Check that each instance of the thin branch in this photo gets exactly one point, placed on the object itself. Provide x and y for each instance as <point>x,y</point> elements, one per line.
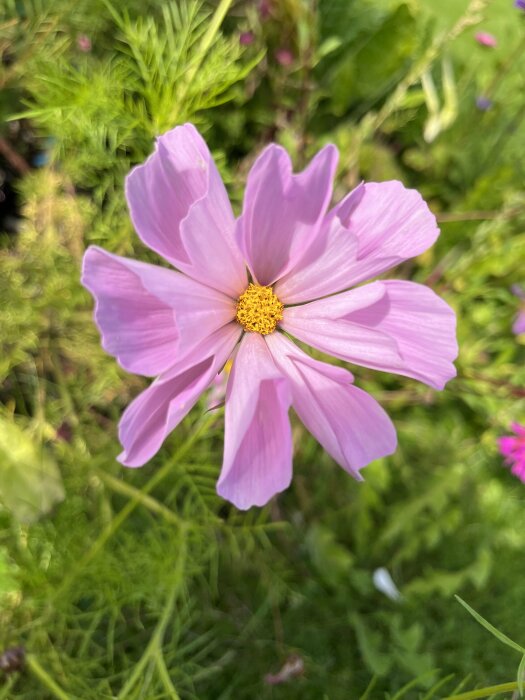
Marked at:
<point>15,160</point>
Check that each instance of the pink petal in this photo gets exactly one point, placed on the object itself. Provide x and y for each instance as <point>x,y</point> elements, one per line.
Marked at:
<point>390,224</point>
<point>257,440</point>
<point>518,429</point>
<point>406,329</point>
<point>519,470</point>
<point>350,425</point>
<point>150,418</point>
<point>180,209</point>
<point>149,316</point>
<point>282,212</point>
<point>508,445</point>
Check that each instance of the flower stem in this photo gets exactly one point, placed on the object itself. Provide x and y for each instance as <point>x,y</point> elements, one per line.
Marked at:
<point>130,506</point>
<point>207,41</point>
<point>485,692</point>
<point>46,680</point>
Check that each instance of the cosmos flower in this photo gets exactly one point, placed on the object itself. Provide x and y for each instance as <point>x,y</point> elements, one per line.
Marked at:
<point>284,268</point>
<point>486,39</point>
<point>512,447</point>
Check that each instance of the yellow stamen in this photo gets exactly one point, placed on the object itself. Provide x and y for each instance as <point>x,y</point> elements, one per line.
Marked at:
<point>259,310</point>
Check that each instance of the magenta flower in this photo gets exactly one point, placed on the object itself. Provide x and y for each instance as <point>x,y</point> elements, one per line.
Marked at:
<point>486,39</point>
<point>286,265</point>
<point>246,38</point>
<point>513,449</point>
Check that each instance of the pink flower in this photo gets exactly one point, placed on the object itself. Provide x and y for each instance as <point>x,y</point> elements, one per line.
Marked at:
<point>183,326</point>
<point>84,43</point>
<point>246,38</point>
<point>513,449</point>
<point>284,57</point>
<point>486,39</point>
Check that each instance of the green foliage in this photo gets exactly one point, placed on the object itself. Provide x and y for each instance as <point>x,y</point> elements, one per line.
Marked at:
<point>144,583</point>
<point>30,483</point>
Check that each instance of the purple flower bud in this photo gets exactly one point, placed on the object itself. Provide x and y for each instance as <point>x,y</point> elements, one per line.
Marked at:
<point>483,103</point>
<point>284,57</point>
<point>486,39</point>
<point>264,9</point>
<point>84,43</point>
<point>246,38</point>
<point>520,4</point>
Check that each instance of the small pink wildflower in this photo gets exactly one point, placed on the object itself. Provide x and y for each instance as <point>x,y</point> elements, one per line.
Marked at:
<point>265,9</point>
<point>284,57</point>
<point>84,43</point>
<point>246,38</point>
<point>486,39</point>
<point>512,447</point>
<point>286,264</point>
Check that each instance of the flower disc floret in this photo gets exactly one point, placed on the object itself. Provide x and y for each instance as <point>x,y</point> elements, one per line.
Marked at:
<point>259,310</point>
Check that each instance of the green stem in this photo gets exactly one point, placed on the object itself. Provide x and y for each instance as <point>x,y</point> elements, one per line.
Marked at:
<point>154,648</point>
<point>207,40</point>
<point>372,123</point>
<point>165,677</point>
<point>143,499</point>
<point>134,501</point>
<point>485,692</point>
<point>46,680</point>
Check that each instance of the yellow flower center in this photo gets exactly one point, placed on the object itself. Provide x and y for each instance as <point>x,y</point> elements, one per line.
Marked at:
<point>259,310</point>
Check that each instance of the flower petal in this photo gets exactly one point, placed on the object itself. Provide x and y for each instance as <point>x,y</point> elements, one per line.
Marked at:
<point>150,316</point>
<point>150,418</point>
<point>282,211</point>
<point>257,440</point>
<point>387,222</point>
<point>180,209</point>
<point>350,425</point>
<point>407,329</point>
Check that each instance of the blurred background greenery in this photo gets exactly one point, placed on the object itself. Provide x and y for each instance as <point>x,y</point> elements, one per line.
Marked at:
<point>143,583</point>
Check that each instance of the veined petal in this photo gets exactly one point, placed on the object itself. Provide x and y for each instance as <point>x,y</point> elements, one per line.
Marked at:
<point>180,209</point>
<point>150,418</point>
<point>150,316</point>
<point>386,221</point>
<point>392,325</point>
<point>350,425</point>
<point>282,212</point>
<point>257,440</point>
